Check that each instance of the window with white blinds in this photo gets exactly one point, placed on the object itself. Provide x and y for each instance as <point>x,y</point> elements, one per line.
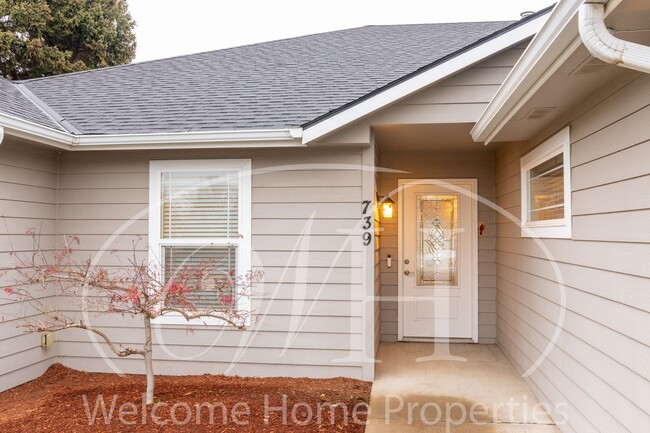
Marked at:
<point>222,260</point>
<point>200,205</point>
<point>200,212</point>
<point>546,189</point>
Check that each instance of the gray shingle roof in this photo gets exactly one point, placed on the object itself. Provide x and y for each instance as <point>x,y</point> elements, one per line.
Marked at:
<point>279,84</point>
<point>15,103</point>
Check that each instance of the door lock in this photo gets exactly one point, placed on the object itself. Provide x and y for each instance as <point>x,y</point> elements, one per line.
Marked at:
<point>406,262</point>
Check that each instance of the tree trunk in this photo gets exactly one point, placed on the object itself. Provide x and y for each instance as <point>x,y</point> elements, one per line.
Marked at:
<point>148,361</point>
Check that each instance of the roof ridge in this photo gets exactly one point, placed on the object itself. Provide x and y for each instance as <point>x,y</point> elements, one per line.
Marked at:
<point>46,109</point>
<point>441,23</point>
<point>53,77</point>
<point>50,77</point>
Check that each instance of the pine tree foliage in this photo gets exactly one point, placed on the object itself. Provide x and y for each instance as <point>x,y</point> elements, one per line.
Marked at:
<point>48,37</point>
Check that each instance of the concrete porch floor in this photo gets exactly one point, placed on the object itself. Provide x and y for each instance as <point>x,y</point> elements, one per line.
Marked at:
<point>411,395</point>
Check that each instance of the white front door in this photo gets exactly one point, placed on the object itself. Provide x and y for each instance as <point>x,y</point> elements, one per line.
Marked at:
<point>438,278</point>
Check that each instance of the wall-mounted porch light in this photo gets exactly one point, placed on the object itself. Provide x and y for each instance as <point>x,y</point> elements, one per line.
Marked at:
<point>387,207</point>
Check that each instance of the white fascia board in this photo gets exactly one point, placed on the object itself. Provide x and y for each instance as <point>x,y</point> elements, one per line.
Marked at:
<point>32,131</point>
<point>192,140</point>
<point>553,45</point>
<point>182,140</point>
<point>427,78</point>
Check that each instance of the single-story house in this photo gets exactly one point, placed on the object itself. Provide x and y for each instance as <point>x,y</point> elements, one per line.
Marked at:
<point>484,182</point>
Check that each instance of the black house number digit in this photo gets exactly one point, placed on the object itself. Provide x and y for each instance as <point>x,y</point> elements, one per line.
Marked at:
<point>366,205</point>
<point>367,236</point>
<point>368,223</point>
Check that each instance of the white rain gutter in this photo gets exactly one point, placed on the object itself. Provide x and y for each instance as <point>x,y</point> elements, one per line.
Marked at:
<point>603,45</point>
<point>242,139</point>
<point>10,125</point>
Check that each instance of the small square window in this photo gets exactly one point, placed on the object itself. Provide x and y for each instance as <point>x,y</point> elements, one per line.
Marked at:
<point>546,189</point>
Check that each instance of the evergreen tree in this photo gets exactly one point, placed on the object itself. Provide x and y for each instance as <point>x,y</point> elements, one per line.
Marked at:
<point>48,37</point>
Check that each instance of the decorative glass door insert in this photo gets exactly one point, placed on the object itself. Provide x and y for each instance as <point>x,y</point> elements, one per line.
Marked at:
<point>437,240</point>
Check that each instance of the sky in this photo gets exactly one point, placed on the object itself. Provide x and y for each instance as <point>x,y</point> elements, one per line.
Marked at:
<point>167,28</point>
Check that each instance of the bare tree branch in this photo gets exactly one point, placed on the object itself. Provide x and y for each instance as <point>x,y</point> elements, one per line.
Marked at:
<point>192,291</point>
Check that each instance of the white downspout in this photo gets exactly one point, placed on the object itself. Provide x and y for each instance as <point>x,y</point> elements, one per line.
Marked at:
<point>605,46</point>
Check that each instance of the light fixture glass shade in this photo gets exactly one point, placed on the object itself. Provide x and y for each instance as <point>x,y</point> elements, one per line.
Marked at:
<point>387,207</point>
<point>387,210</point>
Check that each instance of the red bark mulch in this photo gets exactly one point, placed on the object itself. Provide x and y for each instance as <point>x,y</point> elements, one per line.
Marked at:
<point>54,403</point>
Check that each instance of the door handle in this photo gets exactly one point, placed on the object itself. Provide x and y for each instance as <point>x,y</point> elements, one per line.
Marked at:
<point>407,272</point>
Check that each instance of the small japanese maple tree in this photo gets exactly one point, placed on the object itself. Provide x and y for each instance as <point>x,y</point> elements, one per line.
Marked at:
<point>136,288</point>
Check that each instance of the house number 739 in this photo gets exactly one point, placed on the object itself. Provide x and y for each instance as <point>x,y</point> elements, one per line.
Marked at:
<point>367,222</point>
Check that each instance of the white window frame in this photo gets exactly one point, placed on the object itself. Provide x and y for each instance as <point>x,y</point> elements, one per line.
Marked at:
<point>560,143</point>
<point>243,243</point>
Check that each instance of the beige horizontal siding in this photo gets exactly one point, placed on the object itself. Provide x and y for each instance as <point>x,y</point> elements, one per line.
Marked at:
<point>199,366</point>
<point>461,98</point>
<point>27,200</point>
<point>309,305</point>
<point>600,364</point>
<point>271,323</point>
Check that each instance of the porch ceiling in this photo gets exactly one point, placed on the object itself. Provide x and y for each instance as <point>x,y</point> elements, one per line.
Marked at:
<point>449,137</point>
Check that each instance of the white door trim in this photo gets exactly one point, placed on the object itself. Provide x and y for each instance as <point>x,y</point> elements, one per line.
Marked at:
<point>451,184</point>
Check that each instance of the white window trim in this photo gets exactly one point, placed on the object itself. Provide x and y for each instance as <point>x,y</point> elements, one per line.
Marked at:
<point>558,228</point>
<point>244,250</point>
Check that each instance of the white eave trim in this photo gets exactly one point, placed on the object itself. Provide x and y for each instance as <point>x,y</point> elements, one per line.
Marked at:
<point>290,137</point>
<point>424,79</point>
<point>32,131</point>
<point>551,47</point>
<point>192,140</point>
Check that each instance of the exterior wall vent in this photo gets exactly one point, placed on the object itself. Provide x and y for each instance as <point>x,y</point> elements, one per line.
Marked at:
<point>538,113</point>
<point>590,66</point>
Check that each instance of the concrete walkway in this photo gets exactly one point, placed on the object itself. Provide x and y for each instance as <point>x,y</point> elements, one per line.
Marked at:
<point>483,394</point>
